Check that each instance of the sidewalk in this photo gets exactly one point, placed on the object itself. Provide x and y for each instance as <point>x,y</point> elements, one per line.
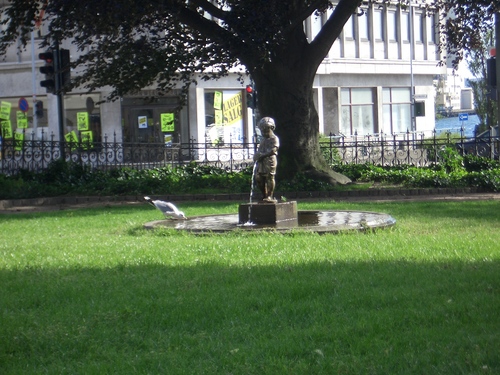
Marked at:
<point>370,195</point>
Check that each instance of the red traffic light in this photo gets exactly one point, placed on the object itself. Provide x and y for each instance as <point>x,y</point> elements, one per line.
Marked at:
<point>249,89</point>
<point>48,57</point>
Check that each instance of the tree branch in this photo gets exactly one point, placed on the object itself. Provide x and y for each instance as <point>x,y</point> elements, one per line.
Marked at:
<point>331,30</point>
<point>305,13</point>
<point>210,8</point>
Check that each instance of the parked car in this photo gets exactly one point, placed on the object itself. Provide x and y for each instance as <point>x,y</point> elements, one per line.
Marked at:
<point>486,144</point>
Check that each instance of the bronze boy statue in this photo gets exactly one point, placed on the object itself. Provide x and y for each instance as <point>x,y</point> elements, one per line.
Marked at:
<point>266,158</point>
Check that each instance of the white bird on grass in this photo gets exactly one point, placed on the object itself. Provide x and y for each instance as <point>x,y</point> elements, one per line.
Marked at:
<point>168,209</point>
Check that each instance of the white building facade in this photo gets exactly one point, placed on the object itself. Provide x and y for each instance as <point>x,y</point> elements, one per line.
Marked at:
<point>382,62</point>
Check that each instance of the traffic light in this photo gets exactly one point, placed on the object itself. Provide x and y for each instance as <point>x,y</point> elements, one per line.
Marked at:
<point>57,70</point>
<point>64,69</point>
<point>251,97</point>
<point>39,109</point>
<point>49,70</point>
<point>491,72</point>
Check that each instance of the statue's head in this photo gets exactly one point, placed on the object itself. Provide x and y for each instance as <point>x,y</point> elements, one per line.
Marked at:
<point>267,122</point>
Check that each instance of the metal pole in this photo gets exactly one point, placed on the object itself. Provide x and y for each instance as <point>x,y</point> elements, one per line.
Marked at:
<point>60,98</point>
<point>34,83</point>
<point>412,83</point>
<point>497,60</point>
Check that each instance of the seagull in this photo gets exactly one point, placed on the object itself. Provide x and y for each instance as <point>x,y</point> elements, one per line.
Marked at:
<point>168,209</point>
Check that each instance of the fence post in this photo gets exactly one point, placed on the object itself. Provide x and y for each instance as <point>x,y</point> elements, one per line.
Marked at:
<point>382,148</point>
<point>356,147</point>
<point>230,152</point>
<point>408,146</point>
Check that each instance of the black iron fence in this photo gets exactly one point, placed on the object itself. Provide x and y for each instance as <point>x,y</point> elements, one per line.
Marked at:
<point>28,153</point>
<point>410,148</point>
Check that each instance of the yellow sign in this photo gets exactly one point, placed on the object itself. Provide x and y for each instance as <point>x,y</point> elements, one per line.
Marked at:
<point>142,121</point>
<point>218,117</point>
<point>5,110</point>
<point>217,100</point>
<point>82,121</point>
<point>6,129</point>
<point>233,109</point>
<point>18,141</point>
<point>167,122</point>
<point>168,140</point>
<point>87,139</point>
<point>22,120</point>
<point>72,139</point>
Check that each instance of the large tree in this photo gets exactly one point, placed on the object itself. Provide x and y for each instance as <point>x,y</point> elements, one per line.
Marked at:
<point>477,61</point>
<point>130,44</point>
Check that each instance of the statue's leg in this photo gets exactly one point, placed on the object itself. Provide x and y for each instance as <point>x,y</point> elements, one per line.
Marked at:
<point>261,184</point>
<point>270,186</point>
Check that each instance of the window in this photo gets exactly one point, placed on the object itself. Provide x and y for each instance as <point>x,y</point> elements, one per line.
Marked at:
<point>378,25</point>
<point>357,111</point>
<point>405,26</point>
<point>431,28</point>
<point>15,120</point>
<point>349,28</point>
<point>392,30</point>
<point>363,27</point>
<point>316,24</point>
<point>417,26</point>
<point>396,110</point>
<point>224,116</point>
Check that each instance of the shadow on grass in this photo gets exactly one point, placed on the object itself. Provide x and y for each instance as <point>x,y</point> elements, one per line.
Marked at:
<point>344,317</point>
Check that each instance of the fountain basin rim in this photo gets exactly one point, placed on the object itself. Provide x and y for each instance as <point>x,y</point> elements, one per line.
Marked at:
<point>353,221</point>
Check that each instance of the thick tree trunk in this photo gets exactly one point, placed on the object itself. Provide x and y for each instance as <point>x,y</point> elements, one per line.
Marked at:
<point>285,93</point>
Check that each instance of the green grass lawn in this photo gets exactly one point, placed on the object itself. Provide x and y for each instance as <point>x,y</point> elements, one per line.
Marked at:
<point>90,292</point>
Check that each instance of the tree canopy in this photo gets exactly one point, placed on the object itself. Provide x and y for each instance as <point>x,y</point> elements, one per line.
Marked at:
<point>129,44</point>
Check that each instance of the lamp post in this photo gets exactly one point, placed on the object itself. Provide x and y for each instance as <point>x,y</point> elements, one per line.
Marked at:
<point>412,83</point>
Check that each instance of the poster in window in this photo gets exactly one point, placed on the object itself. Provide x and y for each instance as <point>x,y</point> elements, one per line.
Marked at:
<point>87,139</point>
<point>167,122</point>
<point>142,121</point>
<point>168,140</point>
<point>6,129</point>
<point>5,110</point>
<point>217,100</point>
<point>82,121</point>
<point>72,139</point>
<point>233,109</point>
<point>22,120</point>
<point>218,117</point>
<point>18,141</point>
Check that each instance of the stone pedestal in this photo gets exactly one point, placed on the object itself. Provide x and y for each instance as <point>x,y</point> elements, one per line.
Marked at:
<point>284,213</point>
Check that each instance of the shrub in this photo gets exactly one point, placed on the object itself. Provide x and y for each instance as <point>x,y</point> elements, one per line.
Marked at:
<point>63,178</point>
<point>473,163</point>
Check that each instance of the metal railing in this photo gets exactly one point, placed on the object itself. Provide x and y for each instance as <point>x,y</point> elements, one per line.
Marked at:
<point>28,153</point>
<point>410,148</point>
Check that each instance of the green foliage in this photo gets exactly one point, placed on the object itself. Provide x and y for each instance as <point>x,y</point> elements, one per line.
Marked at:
<point>452,170</point>
<point>302,182</point>
<point>473,163</point>
<point>450,160</point>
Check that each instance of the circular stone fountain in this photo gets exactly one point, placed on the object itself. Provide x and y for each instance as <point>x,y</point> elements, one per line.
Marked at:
<point>269,214</point>
<point>309,220</point>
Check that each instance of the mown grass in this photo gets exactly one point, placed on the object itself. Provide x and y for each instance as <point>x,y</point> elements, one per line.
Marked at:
<point>90,292</point>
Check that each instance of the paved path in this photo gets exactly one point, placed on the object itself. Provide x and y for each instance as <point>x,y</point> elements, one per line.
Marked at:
<point>379,195</point>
